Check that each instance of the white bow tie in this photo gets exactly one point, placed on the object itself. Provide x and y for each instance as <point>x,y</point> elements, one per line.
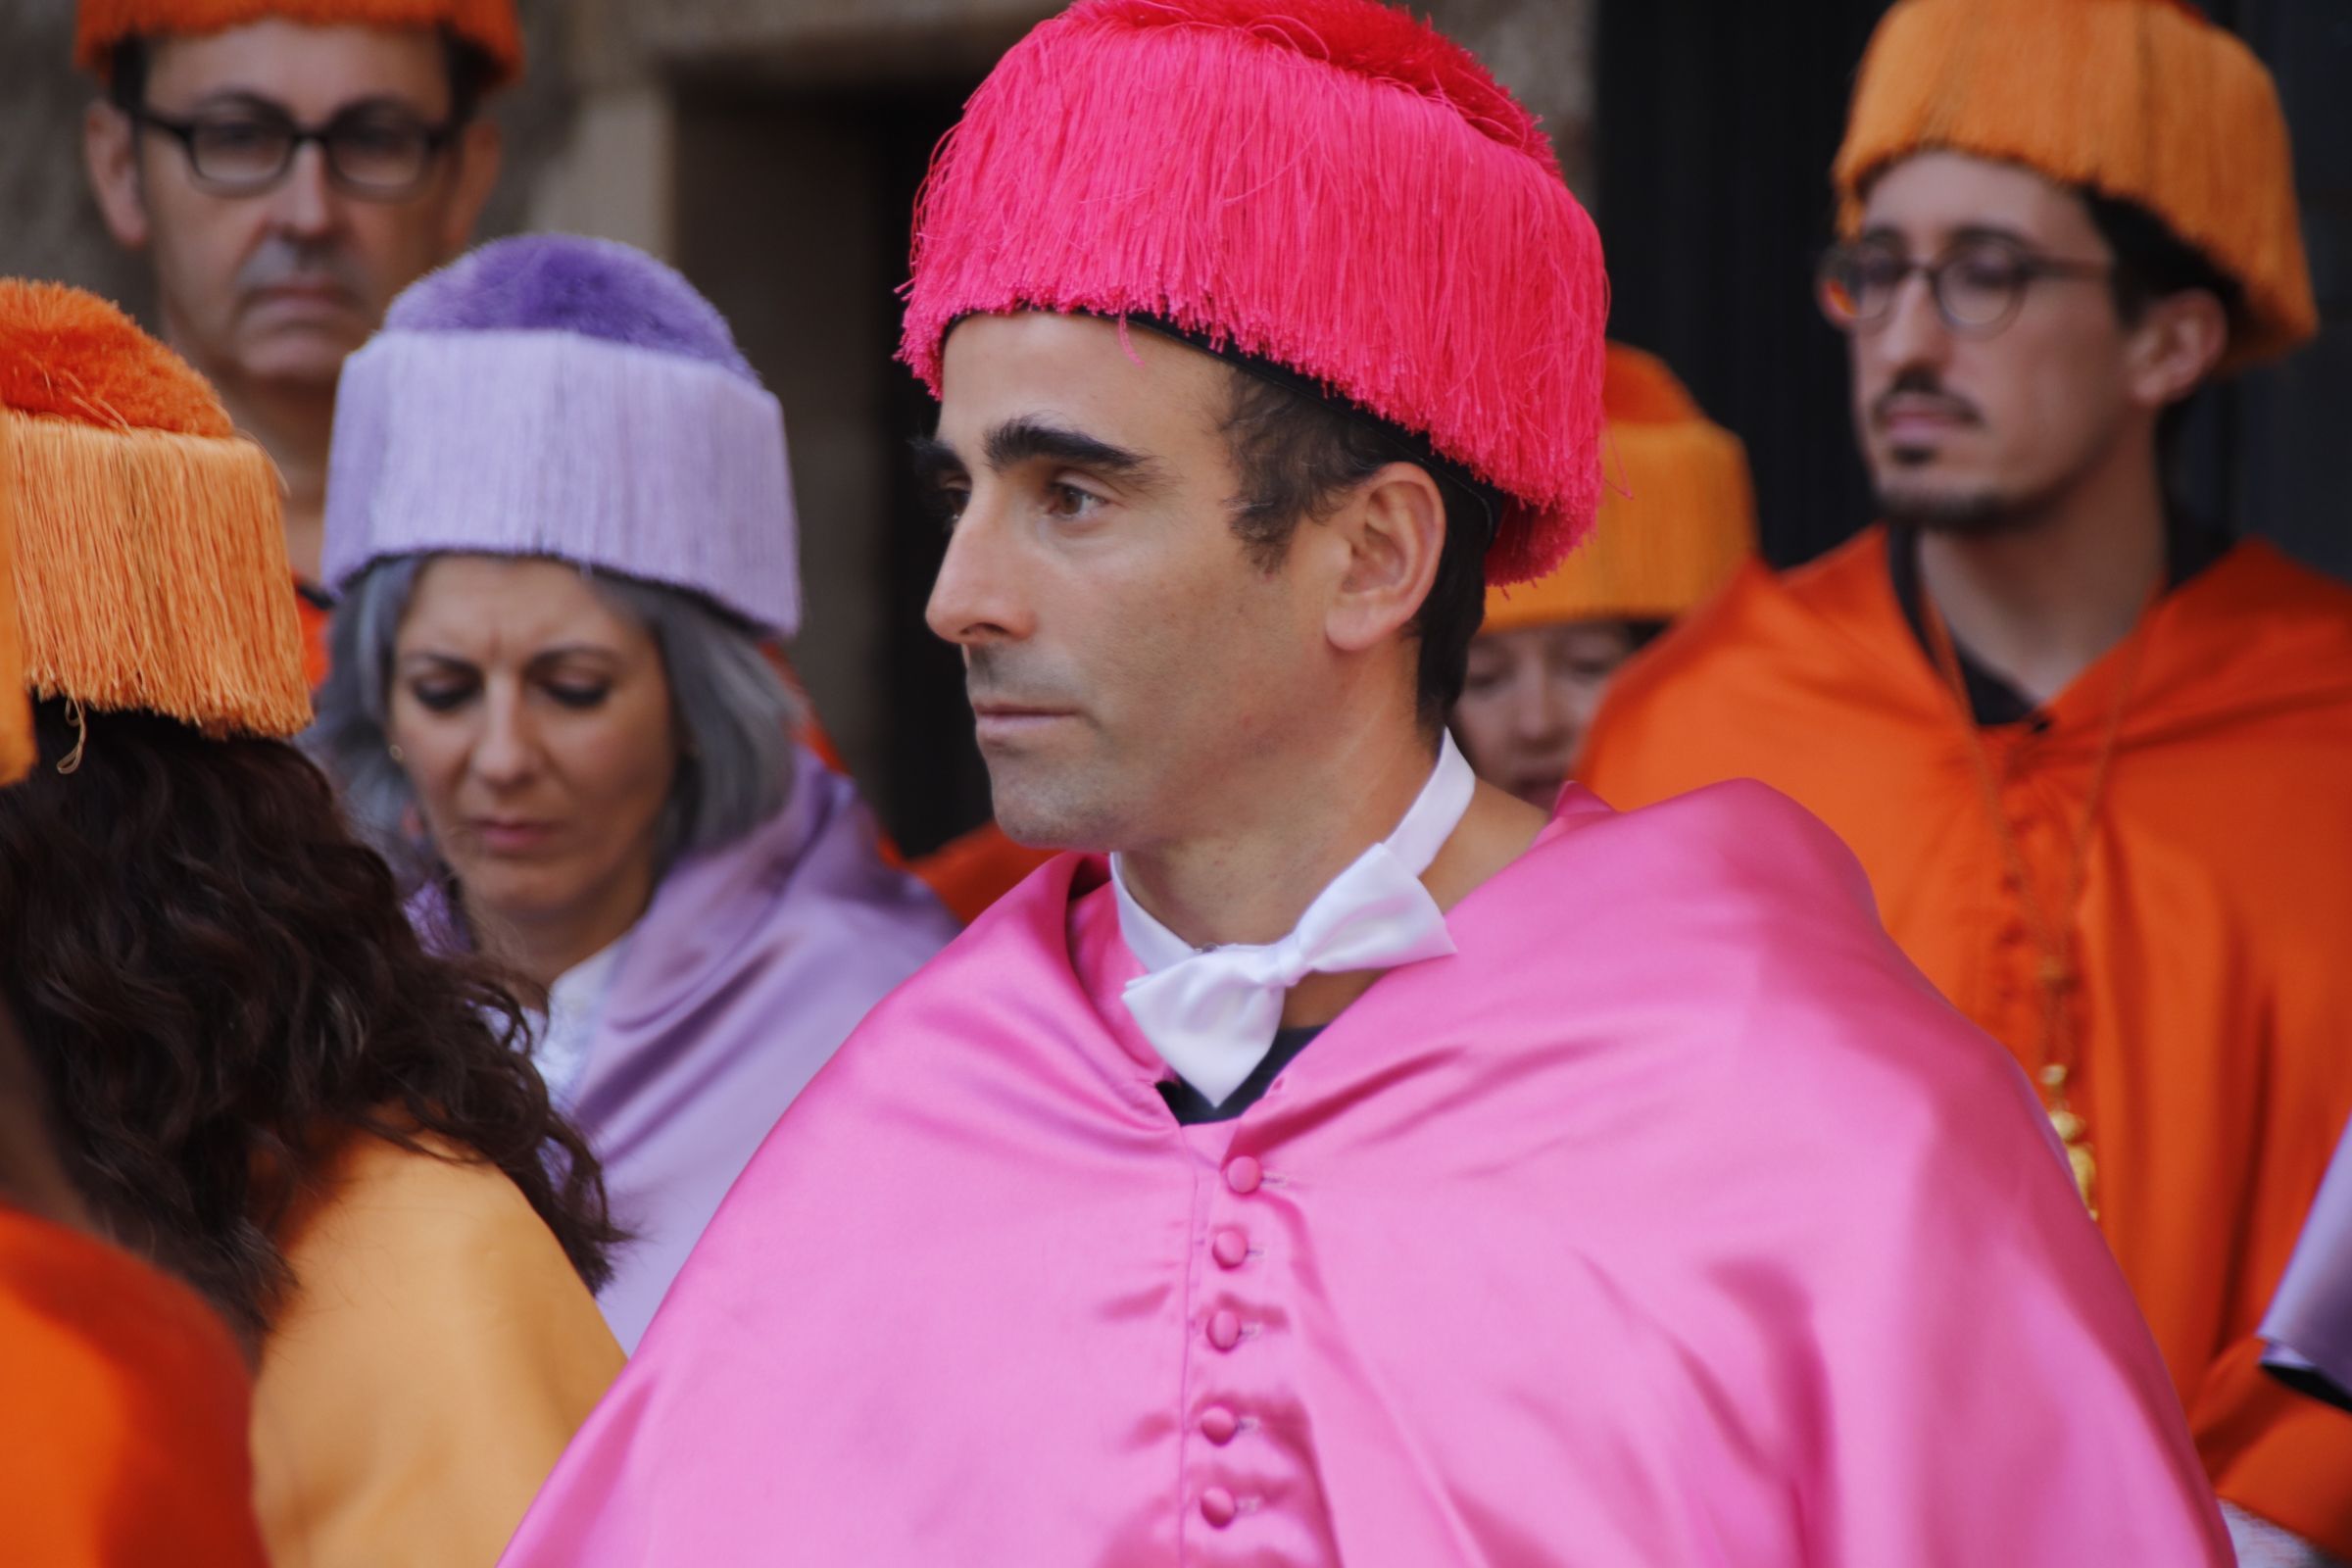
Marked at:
<point>1211,1012</point>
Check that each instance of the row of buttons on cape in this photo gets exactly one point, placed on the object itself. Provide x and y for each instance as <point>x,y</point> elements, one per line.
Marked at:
<point>1230,1246</point>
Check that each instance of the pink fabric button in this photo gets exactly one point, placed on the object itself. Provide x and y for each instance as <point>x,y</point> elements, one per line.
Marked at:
<point>1244,1174</point>
<point>1231,1247</point>
<point>1224,1331</point>
<point>1219,1425</point>
<point>1218,1507</point>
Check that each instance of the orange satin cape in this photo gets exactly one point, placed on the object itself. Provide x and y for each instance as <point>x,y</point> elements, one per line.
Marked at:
<point>123,1414</point>
<point>2212,934</point>
<point>315,619</point>
<point>974,872</point>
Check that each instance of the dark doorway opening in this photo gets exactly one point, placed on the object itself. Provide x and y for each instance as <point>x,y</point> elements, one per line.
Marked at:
<point>793,214</point>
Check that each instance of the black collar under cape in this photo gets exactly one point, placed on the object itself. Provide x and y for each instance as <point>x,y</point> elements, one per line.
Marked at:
<point>2189,548</point>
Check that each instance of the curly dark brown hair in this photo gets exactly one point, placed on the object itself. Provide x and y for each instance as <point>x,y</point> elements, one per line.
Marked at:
<point>219,985</point>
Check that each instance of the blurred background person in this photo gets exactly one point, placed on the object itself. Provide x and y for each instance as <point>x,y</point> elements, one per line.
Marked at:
<point>288,167</point>
<point>127,1403</point>
<point>1677,520</point>
<point>2092,751</point>
<point>561,523</point>
<point>259,1077</point>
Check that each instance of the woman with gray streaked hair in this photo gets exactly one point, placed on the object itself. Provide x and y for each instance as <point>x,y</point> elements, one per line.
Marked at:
<point>560,518</point>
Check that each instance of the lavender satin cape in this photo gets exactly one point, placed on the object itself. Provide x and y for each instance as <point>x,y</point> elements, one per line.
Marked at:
<point>752,966</point>
<point>2310,1323</point>
<point>1672,1220</point>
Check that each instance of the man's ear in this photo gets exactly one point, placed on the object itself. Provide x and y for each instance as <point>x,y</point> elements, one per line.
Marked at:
<point>476,158</point>
<point>1394,531</point>
<point>109,151</point>
<point>2174,347</point>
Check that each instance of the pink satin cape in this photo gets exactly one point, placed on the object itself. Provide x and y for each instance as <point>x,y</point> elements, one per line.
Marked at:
<point>1672,1220</point>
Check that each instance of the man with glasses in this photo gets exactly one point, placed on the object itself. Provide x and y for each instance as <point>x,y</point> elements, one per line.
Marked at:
<point>290,168</point>
<point>2095,756</point>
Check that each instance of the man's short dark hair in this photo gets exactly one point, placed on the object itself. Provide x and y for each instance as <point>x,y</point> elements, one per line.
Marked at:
<point>2153,262</point>
<point>1296,455</point>
<point>471,73</point>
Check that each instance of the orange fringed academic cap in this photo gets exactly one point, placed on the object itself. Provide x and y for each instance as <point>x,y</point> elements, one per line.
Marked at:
<point>2143,101</point>
<point>150,557</point>
<point>15,712</point>
<point>124,1421</point>
<point>489,26</point>
<point>1677,520</point>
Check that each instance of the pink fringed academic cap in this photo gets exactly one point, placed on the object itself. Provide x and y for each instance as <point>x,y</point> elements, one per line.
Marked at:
<point>557,396</point>
<point>1329,185</point>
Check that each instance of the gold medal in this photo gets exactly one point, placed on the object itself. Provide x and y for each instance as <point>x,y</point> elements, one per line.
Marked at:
<point>2086,1174</point>
<point>2075,1134</point>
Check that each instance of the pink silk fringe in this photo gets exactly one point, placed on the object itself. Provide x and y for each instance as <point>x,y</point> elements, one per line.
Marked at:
<point>1337,188</point>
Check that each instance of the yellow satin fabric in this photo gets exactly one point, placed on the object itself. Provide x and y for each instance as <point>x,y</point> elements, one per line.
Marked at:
<point>437,1355</point>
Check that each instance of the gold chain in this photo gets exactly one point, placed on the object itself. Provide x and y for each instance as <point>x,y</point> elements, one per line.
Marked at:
<point>2053,936</point>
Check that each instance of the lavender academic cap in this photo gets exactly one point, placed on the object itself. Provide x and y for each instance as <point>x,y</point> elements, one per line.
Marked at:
<point>551,395</point>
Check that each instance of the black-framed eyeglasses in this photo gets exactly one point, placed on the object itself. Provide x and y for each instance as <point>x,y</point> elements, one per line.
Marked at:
<point>245,150</point>
<point>1977,284</point>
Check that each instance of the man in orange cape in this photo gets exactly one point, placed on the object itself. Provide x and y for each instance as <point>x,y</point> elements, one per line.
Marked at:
<point>2092,755</point>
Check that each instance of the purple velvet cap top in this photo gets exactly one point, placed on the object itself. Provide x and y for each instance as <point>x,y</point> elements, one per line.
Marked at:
<point>597,288</point>
<point>553,395</point>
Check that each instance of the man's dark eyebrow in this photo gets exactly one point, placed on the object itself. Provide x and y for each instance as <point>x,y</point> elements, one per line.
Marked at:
<point>935,462</point>
<point>1027,440</point>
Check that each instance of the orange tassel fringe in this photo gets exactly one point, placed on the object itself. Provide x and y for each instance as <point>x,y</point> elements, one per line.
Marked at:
<point>15,712</point>
<point>151,573</point>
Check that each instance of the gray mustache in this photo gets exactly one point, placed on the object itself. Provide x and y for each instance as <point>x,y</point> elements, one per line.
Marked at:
<point>282,260</point>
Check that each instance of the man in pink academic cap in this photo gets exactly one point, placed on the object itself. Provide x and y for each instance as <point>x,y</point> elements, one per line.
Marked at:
<point>1356,1166</point>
